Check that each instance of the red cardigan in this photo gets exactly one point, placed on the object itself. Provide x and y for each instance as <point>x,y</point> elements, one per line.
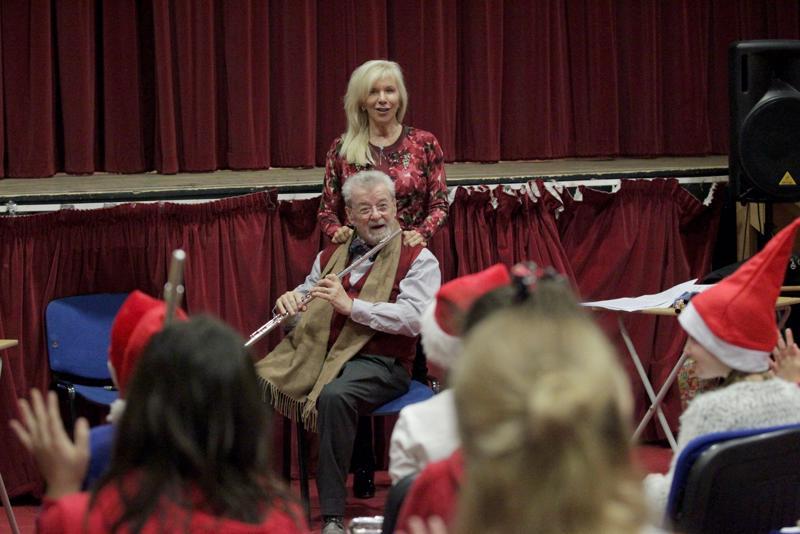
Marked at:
<point>434,492</point>
<point>68,514</point>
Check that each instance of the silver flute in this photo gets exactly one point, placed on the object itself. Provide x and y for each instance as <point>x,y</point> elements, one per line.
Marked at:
<point>278,318</point>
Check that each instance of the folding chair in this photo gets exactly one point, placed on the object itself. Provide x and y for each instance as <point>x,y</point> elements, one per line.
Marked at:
<point>739,481</point>
<point>78,335</point>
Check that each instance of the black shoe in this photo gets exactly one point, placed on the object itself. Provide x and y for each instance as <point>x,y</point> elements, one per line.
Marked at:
<point>363,484</point>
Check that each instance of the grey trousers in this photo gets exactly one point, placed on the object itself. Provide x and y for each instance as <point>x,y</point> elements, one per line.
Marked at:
<point>365,383</point>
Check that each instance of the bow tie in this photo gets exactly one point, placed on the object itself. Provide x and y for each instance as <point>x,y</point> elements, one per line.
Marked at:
<point>358,248</point>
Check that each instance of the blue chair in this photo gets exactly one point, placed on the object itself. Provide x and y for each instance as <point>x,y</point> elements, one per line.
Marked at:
<point>417,392</point>
<point>101,442</point>
<point>738,481</point>
<point>78,335</point>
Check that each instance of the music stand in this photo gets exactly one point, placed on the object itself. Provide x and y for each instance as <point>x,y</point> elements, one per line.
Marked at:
<point>659,304</point>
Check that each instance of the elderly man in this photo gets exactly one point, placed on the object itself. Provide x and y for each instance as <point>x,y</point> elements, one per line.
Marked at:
<point>353,347</point>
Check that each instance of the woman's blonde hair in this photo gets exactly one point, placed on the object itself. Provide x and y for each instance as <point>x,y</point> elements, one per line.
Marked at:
<point>355,142</point>
<point>543,409</point>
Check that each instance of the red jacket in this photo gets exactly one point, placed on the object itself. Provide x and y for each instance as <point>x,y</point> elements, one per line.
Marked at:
<point>68,514</point>
<point>434,492</point>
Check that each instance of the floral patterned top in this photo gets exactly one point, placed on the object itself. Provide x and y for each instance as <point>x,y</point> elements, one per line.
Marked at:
<point>414,162</point>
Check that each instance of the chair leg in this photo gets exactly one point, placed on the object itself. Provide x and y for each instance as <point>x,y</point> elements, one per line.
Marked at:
<point>12,521</point>
<point>302,459</point>
<point>287,450</point>
<point>72,414</point>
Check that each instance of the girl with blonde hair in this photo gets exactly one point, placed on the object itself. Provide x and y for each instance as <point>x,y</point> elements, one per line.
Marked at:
<point>543,410</point>
<point>376,138</point>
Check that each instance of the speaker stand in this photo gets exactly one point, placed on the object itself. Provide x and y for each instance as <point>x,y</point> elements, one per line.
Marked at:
<point>769,226</point>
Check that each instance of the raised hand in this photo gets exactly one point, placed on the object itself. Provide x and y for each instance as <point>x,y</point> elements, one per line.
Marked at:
<point>786,358</point>
<point>412,238</point>
<point>62,462</point>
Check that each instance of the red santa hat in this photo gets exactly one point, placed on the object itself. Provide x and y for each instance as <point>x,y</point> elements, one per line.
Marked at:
<point>139,317</point>
<point>735,319</point>
<point>441,321</point>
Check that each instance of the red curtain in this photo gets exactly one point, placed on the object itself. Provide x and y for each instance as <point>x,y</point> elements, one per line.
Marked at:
<point>130,87</point>
<point>243,252</point>
<point>230,271</point>
<point>647,237</point>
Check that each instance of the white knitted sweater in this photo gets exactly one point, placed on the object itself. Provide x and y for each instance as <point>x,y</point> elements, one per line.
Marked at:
<point>736,407</point>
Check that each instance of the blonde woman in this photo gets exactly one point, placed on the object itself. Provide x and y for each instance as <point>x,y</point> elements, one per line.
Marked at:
<point>543,409</point>
<point>376,138</point>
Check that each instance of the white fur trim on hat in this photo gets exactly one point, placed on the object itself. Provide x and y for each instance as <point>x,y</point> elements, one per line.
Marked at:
<point>440,347</point>
<point>739,358</point>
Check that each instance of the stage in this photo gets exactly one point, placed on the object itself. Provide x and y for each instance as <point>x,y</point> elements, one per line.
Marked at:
<point>44,194</point>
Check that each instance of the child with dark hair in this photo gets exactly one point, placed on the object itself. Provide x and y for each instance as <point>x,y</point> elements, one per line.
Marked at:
<point>137,320</point>
<point>192,450</point>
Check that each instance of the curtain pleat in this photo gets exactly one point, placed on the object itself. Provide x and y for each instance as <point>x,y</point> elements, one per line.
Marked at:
<point>641,240</point>
<point>131,87</point>
<point>349,32</point>
<point>75,48</point>
<point>430,62</point>
<point>28,87</point>
<point>641,67</point>
<point>480,81</point>
<point>536,110</point>
<point>2,106</point>
<point>243,252</point>
<point>244,101</point>
<point>126,135</point>
<point>293,69</point>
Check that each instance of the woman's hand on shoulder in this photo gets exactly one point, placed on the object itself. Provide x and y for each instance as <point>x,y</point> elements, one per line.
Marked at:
<point>342,235</point>
<point>412,238</point>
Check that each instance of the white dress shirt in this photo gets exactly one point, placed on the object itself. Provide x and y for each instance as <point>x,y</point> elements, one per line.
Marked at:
<point>417,290</point>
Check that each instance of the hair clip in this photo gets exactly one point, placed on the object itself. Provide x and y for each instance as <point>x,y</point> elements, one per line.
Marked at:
<point>525,275</point>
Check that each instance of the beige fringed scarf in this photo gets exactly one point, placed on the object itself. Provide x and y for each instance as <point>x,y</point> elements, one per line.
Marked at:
<point>294,374</point>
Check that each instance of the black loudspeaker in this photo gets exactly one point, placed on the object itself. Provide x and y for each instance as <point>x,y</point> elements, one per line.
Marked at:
<point>764,158</point>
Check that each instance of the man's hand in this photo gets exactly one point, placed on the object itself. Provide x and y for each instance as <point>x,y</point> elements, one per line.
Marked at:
<point>291,303</point>
<point>786,358</point>
<point>342,234</point>
<point>62,462</point>
<point>412,238</point>
<point>330,289</point>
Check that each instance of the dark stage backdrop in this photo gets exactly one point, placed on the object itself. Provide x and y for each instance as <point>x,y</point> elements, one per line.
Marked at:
<point>179,86</point>
<point>245,251</point>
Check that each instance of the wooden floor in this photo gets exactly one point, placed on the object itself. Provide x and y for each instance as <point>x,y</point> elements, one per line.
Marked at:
<point>152,186</point>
